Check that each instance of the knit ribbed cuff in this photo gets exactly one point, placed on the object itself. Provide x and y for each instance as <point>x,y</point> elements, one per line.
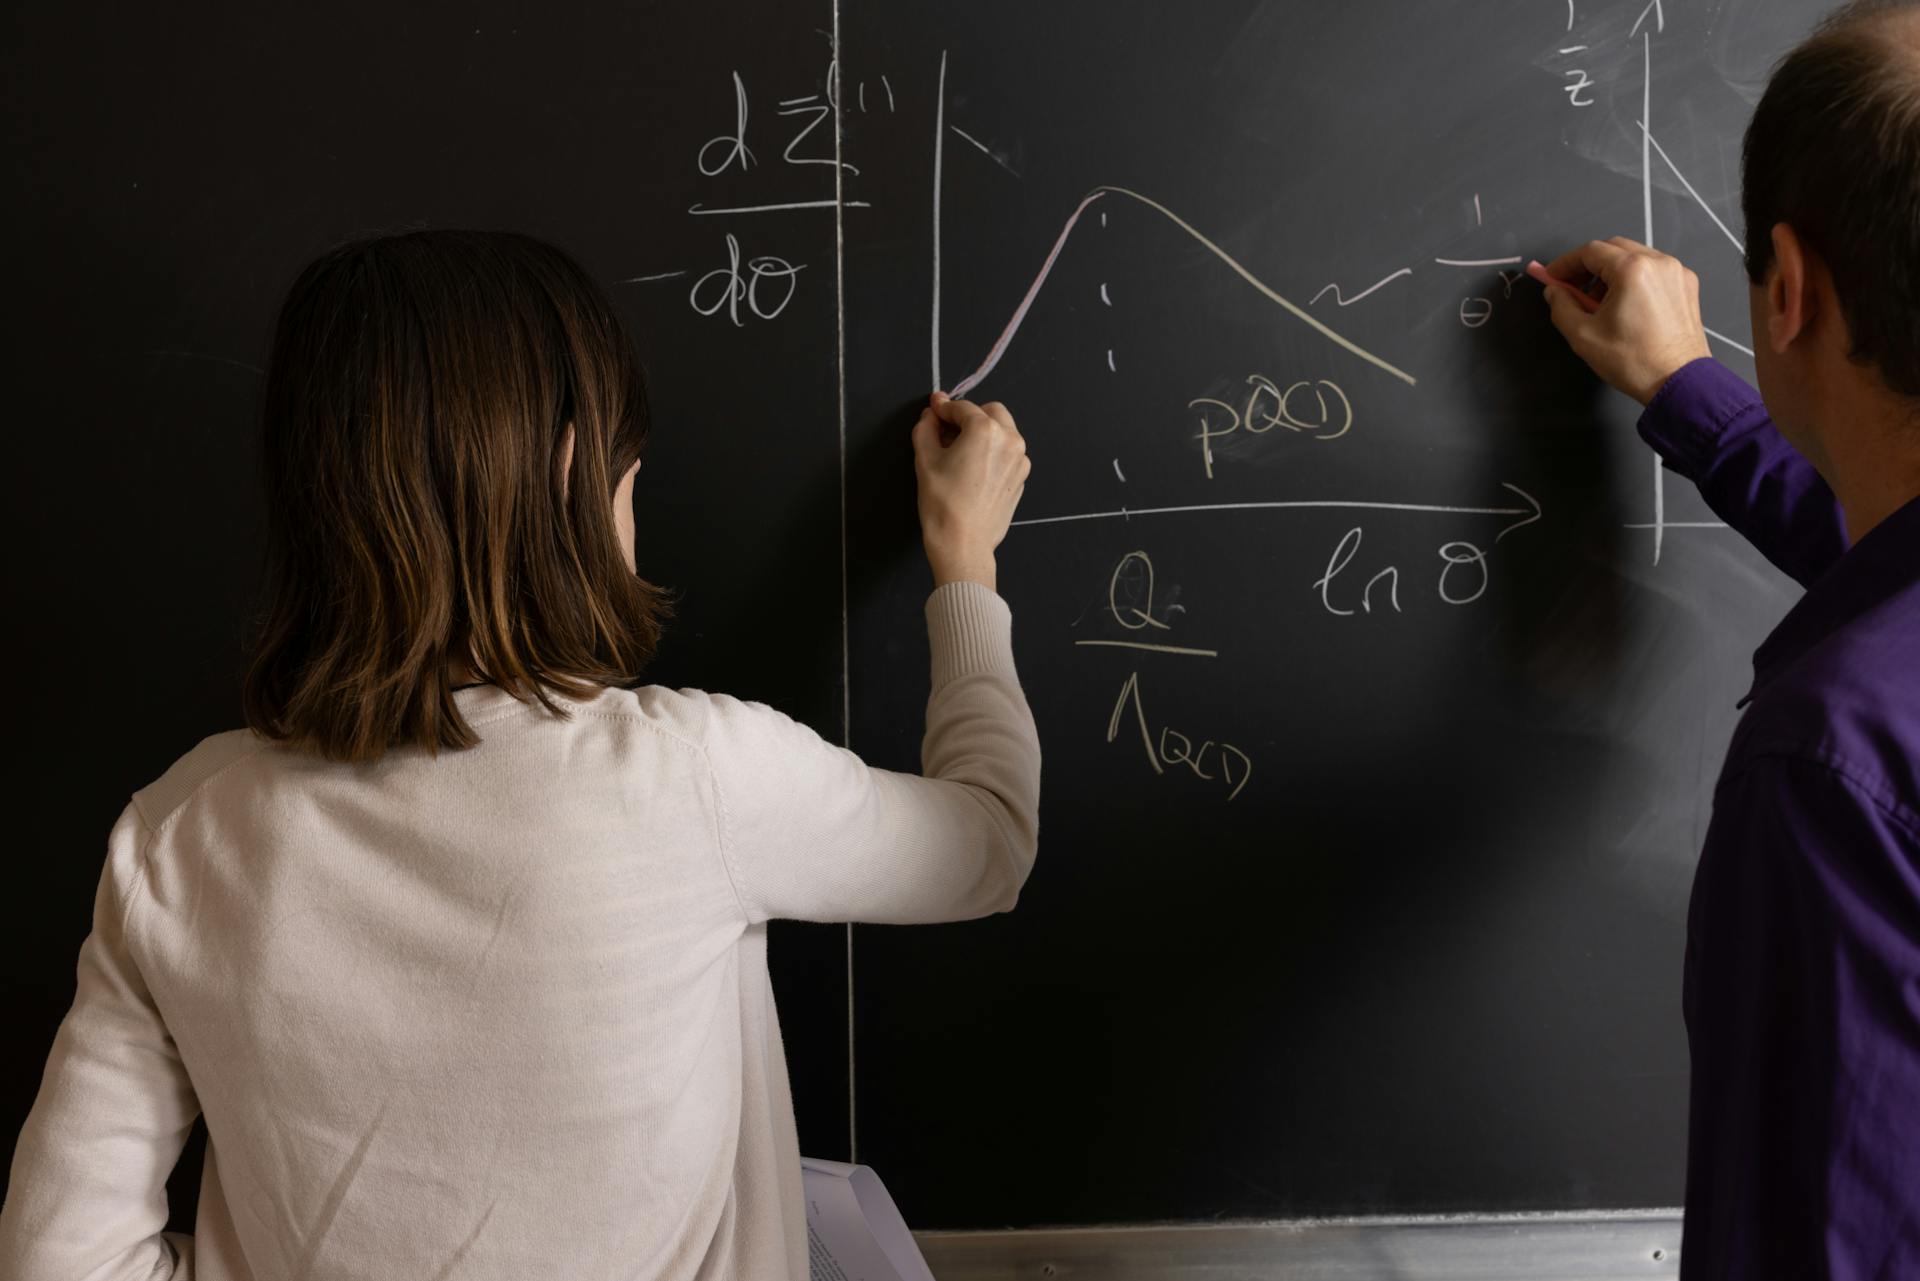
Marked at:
<point>970,631</point>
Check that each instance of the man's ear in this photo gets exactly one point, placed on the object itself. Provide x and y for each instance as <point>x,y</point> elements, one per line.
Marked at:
<point>1789,290</point>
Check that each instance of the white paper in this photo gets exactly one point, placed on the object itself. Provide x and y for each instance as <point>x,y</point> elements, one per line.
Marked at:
<point>854,1231</point>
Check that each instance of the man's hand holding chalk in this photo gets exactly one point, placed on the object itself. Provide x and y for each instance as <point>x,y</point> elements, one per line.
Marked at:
<point>1645,325</point>
<point>1552,281</point>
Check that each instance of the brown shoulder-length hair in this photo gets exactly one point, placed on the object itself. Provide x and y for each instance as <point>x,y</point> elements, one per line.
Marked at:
<point>418,397</point>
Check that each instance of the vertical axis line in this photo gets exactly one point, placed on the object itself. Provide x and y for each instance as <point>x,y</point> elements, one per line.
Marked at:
<point>846,640</point>
<point>1646,210</point>
<point>1646,140</point>
<point>939,141</point>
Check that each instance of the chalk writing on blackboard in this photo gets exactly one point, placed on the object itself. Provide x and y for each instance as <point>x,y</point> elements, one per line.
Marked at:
<point>765,282</point>
<point>1130,604</point>
<point>1000,344</point>
<point>815,110</point>
<point>735,146</point>
<point>1132,581</point>
<point>1268,406</point>
<point>1463,576</point>
<point>812,108</point>
<point>1231,766</point>
<point>1454,555</point>
<point>1343,554</point>
<point>1344,301</point>
<point>728,286</point>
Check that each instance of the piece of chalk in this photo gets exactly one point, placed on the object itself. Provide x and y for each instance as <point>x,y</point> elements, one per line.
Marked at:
<point>1545,277</point>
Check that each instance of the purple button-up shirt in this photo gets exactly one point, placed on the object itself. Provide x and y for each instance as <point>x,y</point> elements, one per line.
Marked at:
<point>1802,990</point>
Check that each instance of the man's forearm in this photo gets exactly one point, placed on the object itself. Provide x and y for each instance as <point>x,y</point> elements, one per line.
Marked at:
<point>1711,427</point>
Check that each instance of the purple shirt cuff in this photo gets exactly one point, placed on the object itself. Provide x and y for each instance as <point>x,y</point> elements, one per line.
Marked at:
<point>1697,409</point>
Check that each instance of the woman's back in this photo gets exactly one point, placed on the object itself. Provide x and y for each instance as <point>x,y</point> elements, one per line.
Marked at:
<point>500,1004</point>
<point>505,1011</point>
<point>470,980</point>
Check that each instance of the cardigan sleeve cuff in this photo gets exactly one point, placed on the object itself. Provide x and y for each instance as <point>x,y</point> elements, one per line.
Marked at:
<point>970,631</point>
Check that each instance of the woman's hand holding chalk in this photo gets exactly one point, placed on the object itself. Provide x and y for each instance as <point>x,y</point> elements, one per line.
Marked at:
<point>1547,278</point>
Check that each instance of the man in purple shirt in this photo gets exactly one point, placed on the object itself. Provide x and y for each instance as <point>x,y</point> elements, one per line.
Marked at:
<point>1802,986</point>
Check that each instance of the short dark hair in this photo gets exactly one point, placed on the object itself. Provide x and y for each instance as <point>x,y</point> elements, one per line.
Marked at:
<point>1833,151</point>
<point>418,394</point>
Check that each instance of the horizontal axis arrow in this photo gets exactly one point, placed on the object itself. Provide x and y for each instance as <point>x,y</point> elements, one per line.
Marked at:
<point>1530,513</point>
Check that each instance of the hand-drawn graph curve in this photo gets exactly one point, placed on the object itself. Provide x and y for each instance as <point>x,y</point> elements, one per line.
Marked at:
<point>999,348</point>
<point>1000,344</point>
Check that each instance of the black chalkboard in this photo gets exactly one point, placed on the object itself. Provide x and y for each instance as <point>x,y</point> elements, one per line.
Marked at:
<point>1415,943</point>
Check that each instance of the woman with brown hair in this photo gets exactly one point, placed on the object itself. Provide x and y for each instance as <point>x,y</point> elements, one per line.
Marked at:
<point>461,947</point>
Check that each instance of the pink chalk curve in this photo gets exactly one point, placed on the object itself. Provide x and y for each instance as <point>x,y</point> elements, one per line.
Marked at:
<point>966,384</point>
